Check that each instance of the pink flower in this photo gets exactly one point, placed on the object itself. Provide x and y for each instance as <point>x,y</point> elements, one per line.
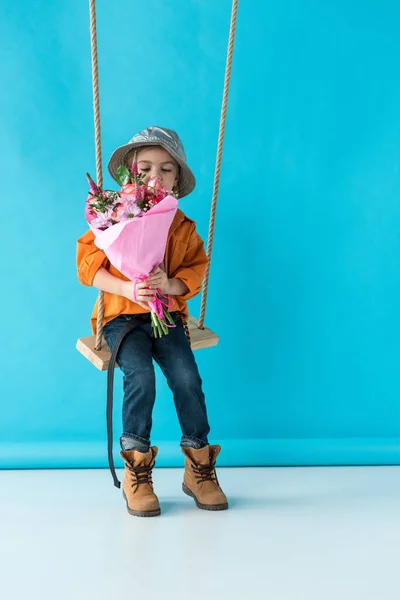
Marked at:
<point>132,210</point>
<point>155,192</point>
<point>93,187</point>
<point>126,210</point>
<point>135,170</point>
<point>155,183</point>
<point>161,194</point>
<point>117,211</point>
<point>141,192</point>
<point>128,189</point>
<point>90,213</point>
<point>103,220</point>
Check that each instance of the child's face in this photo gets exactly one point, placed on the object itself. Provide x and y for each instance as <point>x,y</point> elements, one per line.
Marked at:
<point>156,162</point>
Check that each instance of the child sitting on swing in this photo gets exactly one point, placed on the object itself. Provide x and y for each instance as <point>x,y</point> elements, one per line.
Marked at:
<point>160,153</point>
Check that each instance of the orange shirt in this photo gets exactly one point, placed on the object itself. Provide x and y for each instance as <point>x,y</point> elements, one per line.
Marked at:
<point>185,258</point>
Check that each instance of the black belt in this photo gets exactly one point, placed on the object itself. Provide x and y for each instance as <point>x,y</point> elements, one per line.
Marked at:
<point>110,391</point>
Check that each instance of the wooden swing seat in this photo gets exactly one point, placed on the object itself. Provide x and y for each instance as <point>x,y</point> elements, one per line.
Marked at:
<point>199,338</point>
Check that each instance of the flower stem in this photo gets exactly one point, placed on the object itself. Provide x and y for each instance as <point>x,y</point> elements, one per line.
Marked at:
<point>167,315</point>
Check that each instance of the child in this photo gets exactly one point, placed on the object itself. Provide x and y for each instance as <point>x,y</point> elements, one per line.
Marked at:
<point>180,275</point>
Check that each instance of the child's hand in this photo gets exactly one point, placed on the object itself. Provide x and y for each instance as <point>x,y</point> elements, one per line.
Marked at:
<point>143,293</point>
<point>158,280</point>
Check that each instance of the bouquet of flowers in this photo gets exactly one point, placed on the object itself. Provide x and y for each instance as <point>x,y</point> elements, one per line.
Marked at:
<point>131,226</point>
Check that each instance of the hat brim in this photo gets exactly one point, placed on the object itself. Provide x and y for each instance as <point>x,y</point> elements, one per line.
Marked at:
<point>187,181</point>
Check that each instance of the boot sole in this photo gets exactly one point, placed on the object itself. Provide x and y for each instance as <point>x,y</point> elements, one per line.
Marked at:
<point>204,506</point>
<point>141,513</point>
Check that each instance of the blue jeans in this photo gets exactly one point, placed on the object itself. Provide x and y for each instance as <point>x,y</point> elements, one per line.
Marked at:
<point>174,355</point>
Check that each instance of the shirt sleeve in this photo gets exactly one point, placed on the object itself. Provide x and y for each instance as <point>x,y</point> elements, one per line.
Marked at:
<point>89,258</point>
<point>193,266</point>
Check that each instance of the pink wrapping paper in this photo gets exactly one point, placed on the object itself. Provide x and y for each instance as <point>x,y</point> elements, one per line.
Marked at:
<point>137,246</point>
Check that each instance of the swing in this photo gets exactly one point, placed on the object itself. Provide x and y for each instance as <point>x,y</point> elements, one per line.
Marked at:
<point>95,348</point>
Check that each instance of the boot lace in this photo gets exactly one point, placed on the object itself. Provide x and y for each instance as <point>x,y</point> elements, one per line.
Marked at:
<point>140,475</point>
<point>205,473</point>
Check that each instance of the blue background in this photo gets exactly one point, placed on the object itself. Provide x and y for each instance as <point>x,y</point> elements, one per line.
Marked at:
<point>305,283</point>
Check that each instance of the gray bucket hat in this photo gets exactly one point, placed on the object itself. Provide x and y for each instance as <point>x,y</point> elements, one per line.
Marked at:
<point>167,139</point>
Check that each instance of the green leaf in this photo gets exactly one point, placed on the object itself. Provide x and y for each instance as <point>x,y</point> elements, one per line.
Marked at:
<point>122,175</point>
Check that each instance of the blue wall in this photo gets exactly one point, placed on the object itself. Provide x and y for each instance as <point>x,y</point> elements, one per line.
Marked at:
<point>305,284</point>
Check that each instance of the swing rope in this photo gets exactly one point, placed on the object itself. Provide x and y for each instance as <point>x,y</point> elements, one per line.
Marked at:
<point>218,161</point>
<point>99,173</point>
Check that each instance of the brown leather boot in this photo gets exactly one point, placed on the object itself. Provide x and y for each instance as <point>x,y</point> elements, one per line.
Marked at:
<point>200,479</point>
<point>138,492</point>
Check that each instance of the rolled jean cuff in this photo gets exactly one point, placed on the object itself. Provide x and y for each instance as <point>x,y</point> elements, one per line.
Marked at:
<point>188,441</point>
<point>129,441</point>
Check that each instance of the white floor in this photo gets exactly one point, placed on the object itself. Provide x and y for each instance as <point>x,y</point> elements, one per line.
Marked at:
<point>290,534</point>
